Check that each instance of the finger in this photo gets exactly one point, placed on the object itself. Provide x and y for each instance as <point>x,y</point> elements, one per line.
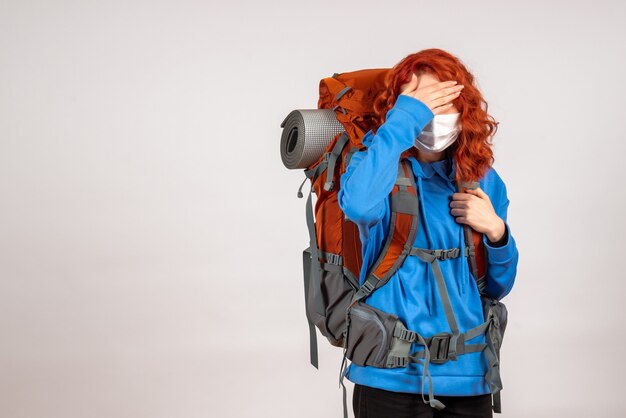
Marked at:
<point>440,85</point>
<point>410,86</point>
<point>443,100</point>
<point>459,211</point>
<point>461,196</point>
<point>451,91</point>
<point>480,193</point>
<point>443,108</point>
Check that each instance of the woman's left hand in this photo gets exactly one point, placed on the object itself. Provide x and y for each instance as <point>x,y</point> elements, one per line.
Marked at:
<point>474,208</point>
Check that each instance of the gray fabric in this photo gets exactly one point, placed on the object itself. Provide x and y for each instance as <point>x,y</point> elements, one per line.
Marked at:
<point>354,281</point>
<point>366,288</point>
<point>332,161</point>
<point>469,242</point>
<point>408,203</point>
<point>323,278</point>
<point>462,348</point>
<point>370,335</point>
<point>348,156</point>
<point>403,181</point>
<point>496,313</point>
<point>333,268</point>
<point>405,334</point>
<point>314,172</point>
<point>343,363</point>
<point>400,347</point>
<point>337,293</point>
<point>405,203</point>
<point>493,373</point>
<point>345,402</point>
<point>316,270</point>
<point>431,256</point>
<point>300,195</point>
<point>332,258</point>
<point>306,135</point>
<point>306,263</point>
<point>425,372</point>
<point>342,92</point>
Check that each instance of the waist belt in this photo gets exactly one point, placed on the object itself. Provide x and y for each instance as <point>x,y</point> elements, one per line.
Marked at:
<point>376,338</point>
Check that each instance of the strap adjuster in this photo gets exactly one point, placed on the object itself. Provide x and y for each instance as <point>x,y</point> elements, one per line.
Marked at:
<point>369,285</point>
<point>397,361</point>
<point>439,345</point>
<point>451,253</point>
<point>405,335</point>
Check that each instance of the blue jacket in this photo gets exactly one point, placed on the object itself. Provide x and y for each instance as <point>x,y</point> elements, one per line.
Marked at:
<point>411,292</point>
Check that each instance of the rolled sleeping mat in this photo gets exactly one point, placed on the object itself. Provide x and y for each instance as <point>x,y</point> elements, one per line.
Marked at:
<point>306,135</point>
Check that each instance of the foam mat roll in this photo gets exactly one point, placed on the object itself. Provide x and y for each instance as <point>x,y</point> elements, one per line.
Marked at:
<point>306,134</point>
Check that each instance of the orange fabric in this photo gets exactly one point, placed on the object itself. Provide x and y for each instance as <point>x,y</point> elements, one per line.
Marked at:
<point>398,239</point>
<point>335,233</point>
<point>358,103</point>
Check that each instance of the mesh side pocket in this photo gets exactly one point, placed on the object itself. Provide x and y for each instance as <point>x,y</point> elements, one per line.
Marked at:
<point>327,301</point>
<point>337,294</point>
<point>496,309</point>
<point>369,335</point>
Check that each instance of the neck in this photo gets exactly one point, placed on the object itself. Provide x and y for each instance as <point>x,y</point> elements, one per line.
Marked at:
<point>429,157</point>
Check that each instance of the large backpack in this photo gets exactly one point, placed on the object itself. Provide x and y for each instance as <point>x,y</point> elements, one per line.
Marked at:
<point>332,262</point>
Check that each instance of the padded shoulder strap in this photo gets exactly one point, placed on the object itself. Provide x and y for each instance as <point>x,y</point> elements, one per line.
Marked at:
<point>402,229</point>
<point>476,260</point>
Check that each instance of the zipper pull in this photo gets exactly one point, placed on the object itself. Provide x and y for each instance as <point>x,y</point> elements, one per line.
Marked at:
<point>300,195</point>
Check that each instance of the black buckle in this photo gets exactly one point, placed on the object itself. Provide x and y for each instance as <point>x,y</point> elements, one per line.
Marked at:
<point>438,346</point>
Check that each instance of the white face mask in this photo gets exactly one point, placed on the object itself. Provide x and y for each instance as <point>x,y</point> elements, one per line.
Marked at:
<point>439,134</point>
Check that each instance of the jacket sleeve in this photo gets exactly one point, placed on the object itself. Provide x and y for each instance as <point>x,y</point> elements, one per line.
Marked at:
<point>502,260</point>
<point>371,174</point>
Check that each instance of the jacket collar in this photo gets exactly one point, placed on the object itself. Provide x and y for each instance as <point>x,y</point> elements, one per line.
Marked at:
<point>446,168</point>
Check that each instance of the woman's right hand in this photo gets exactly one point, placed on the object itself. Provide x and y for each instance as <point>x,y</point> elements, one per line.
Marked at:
<point>438,96</point>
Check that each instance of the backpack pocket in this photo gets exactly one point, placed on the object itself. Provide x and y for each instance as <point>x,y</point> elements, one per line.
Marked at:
<point>496,309</point>
<point>370,335</point>
<point>327,298</point>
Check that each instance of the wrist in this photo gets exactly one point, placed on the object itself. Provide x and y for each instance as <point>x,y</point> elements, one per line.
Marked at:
<point>497,232</point>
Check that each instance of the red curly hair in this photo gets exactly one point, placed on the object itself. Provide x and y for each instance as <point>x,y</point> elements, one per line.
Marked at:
<point>472,149</point>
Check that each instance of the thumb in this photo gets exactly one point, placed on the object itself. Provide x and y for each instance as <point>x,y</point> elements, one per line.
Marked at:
<point>479,192</point>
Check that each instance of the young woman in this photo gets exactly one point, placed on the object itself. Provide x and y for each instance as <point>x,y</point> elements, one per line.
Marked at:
<point>432,114</point>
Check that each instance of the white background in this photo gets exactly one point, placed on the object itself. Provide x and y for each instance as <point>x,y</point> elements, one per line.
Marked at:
<point>150,237</point>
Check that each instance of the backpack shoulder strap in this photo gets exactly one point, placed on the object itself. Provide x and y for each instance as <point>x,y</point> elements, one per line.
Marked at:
<point>402,229</point>
<point>476,250</point>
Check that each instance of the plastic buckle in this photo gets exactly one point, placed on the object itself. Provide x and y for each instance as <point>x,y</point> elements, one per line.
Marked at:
<point>400,361</point>
<point>368,285</point>
<point>330,258</point>
<point>438,346</point>
<point>446,254</point>
<point>405,335</point>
